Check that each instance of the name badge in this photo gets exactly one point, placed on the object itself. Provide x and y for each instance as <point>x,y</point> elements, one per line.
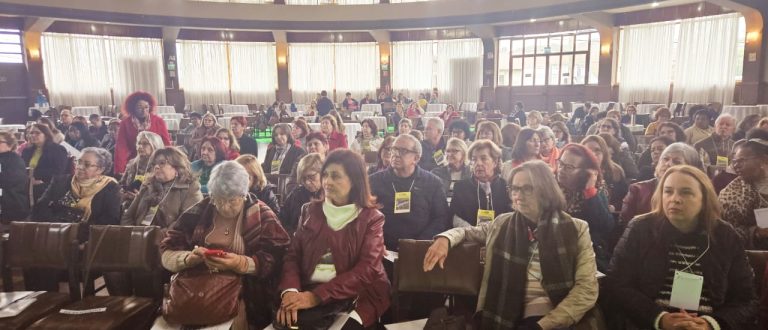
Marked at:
<point>275,167</point>
<point>686,291</point>
<point>761,217</point>
<point>722,161</point>
<point>150,216</point>
<point>439,158</point>
<point>485,215</point>
<point>403,202</point>
<point>139,177</point>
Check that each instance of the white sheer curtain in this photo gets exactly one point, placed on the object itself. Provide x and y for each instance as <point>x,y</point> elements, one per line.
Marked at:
<point>646,62</point>
<point>311,69</point>
<point>84,70</point>
<point>459,70</point>
<point>203,71</point>
<point>412,67</point>
<point>707,59</point>
<point>254,72</point>
<point>357,69</point>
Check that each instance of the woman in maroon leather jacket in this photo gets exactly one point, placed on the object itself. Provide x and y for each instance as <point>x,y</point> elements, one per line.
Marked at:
<point>334,262</point>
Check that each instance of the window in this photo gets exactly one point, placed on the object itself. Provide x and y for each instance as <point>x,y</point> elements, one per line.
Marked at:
<point>565,58</point>
<point>10,46</point>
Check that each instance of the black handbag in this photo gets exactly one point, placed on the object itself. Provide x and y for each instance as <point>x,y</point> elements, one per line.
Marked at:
<point>65,210</point>
<point>439,319</point>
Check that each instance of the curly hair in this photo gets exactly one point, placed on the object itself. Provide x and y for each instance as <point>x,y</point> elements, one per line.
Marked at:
<point>129,106</point>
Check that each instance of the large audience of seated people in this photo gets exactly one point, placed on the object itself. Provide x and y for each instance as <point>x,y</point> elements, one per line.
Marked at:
<point>583,219</point>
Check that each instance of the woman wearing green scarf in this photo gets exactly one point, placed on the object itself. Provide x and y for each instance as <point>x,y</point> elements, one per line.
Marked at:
<point>540,266</point>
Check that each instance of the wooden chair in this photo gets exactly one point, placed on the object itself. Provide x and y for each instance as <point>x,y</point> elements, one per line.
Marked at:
<point>281,181</point>
<point>758,260</point>
<point>113,249</point>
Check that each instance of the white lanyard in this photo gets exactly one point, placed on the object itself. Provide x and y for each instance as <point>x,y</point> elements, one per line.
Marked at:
<point>488,197</point>
<point>690,264</point>
<point>409,189</point>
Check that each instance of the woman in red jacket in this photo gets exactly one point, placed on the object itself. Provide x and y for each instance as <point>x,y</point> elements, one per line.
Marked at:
<point>330,127</point>
<point>138,115</point>
<point>334,262</point>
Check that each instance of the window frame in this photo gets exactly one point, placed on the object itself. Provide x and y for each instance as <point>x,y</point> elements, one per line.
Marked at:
<point>20,45</point>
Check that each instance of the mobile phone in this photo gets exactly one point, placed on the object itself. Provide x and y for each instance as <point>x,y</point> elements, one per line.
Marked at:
<point>214,253</point>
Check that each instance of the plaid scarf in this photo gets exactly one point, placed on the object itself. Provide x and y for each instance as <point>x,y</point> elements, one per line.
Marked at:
<point>574,200</point>
<point>558,250</point>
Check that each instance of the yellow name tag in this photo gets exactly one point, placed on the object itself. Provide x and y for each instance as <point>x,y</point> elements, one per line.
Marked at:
<point>722,161</point>
<point>403,202</point>
<point>439,158</point>
<point>275,168</point>
<point>485,215</point>
<point>150,216</point>
<point>139,178</point>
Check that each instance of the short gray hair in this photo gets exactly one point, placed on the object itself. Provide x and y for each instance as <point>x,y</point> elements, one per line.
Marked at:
<point>437,121</point>
<point>725,116</point>
<point>228,180</point>
<point>104,157</point>
<point>690,154</point>
<point>546,131</point>
<point>155,140</point>
<point>412,139</point>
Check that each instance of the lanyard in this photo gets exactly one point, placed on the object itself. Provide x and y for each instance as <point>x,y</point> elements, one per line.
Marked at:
<point>409,189</point>
<point>488,197</point>
<point>723,144</point>
<point>167,192</point>
<point>690,264</point>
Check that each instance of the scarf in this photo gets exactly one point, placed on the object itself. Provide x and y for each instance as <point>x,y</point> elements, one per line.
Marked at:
<point>574,200</point>
<point>85,190</point>
<point>558,249</point>
<point>338,217</point>
<point>141,126</point>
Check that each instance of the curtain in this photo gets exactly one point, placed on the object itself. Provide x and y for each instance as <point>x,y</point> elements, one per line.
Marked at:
<point>311,70</point>
<point>646,62</point>
<point>84,70</point>
<point>412,67</point>
<point>707,59</point>
<point>203,72</point>
<point>357,69</point>
<point>254,74</point>
<point>459,70</point>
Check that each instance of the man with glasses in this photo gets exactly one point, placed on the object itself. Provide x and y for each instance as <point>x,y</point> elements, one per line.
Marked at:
<point>715,149</point>
<point>433,144</point>
<point>412,199</point>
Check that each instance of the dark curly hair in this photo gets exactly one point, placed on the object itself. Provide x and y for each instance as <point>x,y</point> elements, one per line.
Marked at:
<point>129,106</point>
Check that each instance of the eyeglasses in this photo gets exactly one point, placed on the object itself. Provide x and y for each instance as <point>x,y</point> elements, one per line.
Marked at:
<point>84,164</point>
<point>524,190</point>
<point>566,167</point>
<point>34,132</point>
<point>606,127</point>
<point>310,177</point>
<point>144,144</point>
<point>740,161</point>
<point>401,152</point>
<point>452,151</point>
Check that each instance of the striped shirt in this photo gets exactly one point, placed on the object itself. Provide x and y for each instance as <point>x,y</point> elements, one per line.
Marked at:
<point>680,257</point>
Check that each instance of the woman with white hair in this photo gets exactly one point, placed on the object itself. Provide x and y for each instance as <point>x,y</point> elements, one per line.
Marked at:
<point>534,119</point>
<point>138,168</point>
<point>229,236</point>
<point>548,151</point>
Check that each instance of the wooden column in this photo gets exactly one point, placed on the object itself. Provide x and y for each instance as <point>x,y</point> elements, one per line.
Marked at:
<point>283,78</point>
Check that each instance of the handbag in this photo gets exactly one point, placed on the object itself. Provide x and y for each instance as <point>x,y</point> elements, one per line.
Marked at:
<point>439,319</point>
<point>200,297</point>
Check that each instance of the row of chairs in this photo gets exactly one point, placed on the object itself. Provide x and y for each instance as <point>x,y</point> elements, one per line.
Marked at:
<point>54,248</point>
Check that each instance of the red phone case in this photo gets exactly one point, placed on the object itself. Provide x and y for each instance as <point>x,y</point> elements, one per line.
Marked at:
<point>215,253</point>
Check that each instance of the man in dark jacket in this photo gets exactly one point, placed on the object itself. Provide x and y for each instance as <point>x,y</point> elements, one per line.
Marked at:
<point>14,196</point>
<point>412,199</point>
<point>433,145</point>
<point>324,105</point>
<point>518,113</point>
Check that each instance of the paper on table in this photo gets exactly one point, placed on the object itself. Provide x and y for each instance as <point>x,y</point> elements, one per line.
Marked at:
<point>761,216</point>
<point>7,298</point>
<point>16,308</point>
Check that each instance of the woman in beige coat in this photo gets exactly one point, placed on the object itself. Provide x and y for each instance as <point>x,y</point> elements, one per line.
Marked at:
<point>169,190</point>
<point>555,284</point>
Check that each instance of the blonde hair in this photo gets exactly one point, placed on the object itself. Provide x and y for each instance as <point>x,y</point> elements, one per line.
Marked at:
<point>489,125</point>
<point>252,165</point>
<point>459,144</point>
<point>313,161</point>
<point>10,139</point>
<point>710,205</point>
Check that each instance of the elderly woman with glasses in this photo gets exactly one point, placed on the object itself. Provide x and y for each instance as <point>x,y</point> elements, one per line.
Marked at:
<point>334,264</point>
<point>169,189</point>
<point>539,263</point>
<point>483,196</point>
<point>680,266</point>
<point>138,168</point>
<point>139,116</point>
<point>746,194</point>
<point>90,196</point>
<point>247,232</point>
<point>308,178</point>
<point>456,169</point>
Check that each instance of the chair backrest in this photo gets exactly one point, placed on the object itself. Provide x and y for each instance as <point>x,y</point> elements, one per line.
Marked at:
<point>758,260</point>
<point>281,181</point>
<point>42,245</point>
<point>122,248</point>
<point>462,274</point>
